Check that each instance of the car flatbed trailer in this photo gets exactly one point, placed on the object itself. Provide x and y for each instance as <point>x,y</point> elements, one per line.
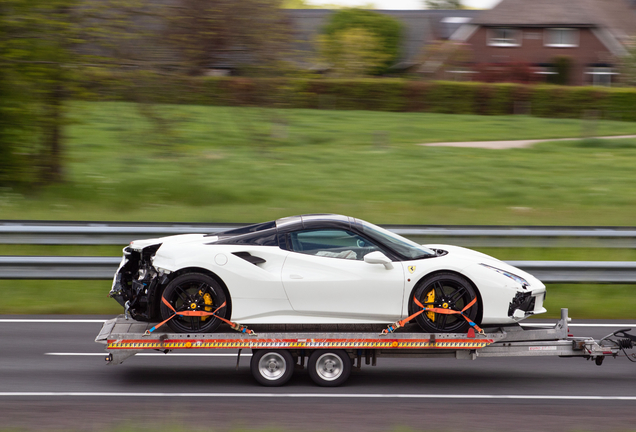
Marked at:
<point>331,355</point>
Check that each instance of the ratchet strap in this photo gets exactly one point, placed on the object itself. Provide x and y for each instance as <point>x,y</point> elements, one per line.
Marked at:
<point>443,311</point>
<point>196,313</point>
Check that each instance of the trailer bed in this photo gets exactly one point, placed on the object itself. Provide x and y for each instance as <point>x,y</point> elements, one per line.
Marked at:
<point>327,351</point>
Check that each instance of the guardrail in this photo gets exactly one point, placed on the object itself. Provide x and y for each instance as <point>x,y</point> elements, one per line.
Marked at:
<point>61,268</point>
<point>110,233</point>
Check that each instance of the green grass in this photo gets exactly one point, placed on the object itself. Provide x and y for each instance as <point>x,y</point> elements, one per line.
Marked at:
<point>218,164</point>
<point>57,297</point>
<point>588,301</point>
<point>60,250</point>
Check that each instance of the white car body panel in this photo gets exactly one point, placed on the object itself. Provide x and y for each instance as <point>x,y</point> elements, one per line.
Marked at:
<point>343,288</point>
<point>335,290</point>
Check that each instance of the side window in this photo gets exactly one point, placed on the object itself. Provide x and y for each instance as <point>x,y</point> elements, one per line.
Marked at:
<point>331,243</point>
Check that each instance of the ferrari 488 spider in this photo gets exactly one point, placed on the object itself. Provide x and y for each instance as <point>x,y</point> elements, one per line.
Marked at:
<point>318,269</point>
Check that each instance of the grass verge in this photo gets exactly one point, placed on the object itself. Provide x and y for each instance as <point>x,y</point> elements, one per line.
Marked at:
<point>220,164</point>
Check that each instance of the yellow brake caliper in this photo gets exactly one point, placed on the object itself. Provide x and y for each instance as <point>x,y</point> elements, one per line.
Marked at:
<point>207,299</point>
<point>430,298</point>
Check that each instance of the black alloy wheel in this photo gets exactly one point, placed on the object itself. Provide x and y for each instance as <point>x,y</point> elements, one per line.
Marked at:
<point>194,292</point>
<point>445,291</point>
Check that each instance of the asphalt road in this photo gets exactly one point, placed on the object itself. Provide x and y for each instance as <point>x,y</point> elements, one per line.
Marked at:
<point>53,377</point>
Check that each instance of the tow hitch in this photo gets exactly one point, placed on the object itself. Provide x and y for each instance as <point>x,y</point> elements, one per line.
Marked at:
<point>620,340</point>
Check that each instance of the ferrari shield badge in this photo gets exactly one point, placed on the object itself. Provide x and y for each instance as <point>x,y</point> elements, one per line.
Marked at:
<point>411,269</point>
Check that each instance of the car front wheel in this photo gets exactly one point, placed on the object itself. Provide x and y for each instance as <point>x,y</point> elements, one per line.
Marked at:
<point>194,292</point>
<point>445,291</point>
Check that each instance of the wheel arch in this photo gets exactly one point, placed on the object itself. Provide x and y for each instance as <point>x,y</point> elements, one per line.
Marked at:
<point>204,271</point>
<point>433,273</point>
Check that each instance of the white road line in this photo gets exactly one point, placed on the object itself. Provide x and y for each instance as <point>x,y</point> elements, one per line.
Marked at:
<point>319,395</point>
<point>152,354</point>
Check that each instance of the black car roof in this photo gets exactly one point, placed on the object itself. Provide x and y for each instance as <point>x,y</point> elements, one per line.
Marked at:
<point>309,221</point>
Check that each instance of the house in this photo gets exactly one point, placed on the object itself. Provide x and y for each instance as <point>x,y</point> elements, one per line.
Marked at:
<point>591,35</point>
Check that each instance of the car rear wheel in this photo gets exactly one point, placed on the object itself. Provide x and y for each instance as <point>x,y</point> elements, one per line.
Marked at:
<point>445,291</point>
<point>194,292</point>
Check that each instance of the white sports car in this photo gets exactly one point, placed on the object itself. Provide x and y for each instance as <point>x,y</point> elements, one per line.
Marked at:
<point>318,269</point>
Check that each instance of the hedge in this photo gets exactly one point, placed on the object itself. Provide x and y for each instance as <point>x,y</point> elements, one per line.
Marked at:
<point>376,94</point>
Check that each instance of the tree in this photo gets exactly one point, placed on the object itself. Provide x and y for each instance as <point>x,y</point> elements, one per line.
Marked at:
<point>46,47</point>
<point>352,53</point>
<point>627,64</point>
<point>35,52</point>
<point>383,30</point>
<point>213,33</point>
<point>443,4</point>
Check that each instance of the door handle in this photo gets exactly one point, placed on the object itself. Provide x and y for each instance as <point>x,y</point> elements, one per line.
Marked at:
<point>295,276</point>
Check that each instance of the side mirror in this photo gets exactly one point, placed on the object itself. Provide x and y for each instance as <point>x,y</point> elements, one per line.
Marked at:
<point>378,258</point>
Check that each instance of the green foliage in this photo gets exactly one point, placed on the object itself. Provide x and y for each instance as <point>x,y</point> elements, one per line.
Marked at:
<point>386,29</point>
<point>28,72</point>
<point>563,69</point>
<point>384,94</point>
<point>627,65</point>
<point>443,4</point>
<point>303,4</point>
<point>247,34</point>
<point>351,53</point>
<point>620,104</point>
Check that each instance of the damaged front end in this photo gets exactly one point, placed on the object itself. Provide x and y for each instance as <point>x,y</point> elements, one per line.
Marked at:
<point>136,281</point>
<point>522,305</point>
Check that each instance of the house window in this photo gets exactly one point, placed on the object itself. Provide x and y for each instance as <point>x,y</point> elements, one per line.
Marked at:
<point>601,76</point>
<point>504,37</point>
<point>561,37</point>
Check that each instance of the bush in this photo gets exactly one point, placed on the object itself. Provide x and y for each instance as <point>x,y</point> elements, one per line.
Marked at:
<point>373,94</point>
<point>386,29</point>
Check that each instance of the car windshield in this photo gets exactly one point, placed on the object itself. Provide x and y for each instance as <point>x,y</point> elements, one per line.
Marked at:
<point>399,244</point>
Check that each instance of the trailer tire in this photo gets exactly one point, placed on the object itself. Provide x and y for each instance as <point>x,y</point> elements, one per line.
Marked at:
<point>329,368</point>
<point>272,368</point>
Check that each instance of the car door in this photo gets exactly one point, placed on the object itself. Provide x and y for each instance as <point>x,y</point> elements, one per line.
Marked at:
<point>325,275</point>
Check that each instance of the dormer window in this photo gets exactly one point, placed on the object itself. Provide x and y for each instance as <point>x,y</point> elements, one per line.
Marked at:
<point>504,37</point>
<point>561,37</point>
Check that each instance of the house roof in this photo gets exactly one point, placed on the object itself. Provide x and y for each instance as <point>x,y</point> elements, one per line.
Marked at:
<point>613,15</point>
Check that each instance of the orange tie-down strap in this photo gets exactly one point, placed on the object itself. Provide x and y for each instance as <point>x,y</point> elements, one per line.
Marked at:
<point>402,323</point>
<point>194,313</point>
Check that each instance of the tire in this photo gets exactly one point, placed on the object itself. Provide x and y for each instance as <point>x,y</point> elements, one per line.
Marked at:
<point>445,290</point>
<point>272,368</point>
<point>194,291</point>
<point>329,368</point>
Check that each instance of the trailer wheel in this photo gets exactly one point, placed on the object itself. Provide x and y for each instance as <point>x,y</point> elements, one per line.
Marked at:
<point>329,368</point>
<point>272,368</point>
